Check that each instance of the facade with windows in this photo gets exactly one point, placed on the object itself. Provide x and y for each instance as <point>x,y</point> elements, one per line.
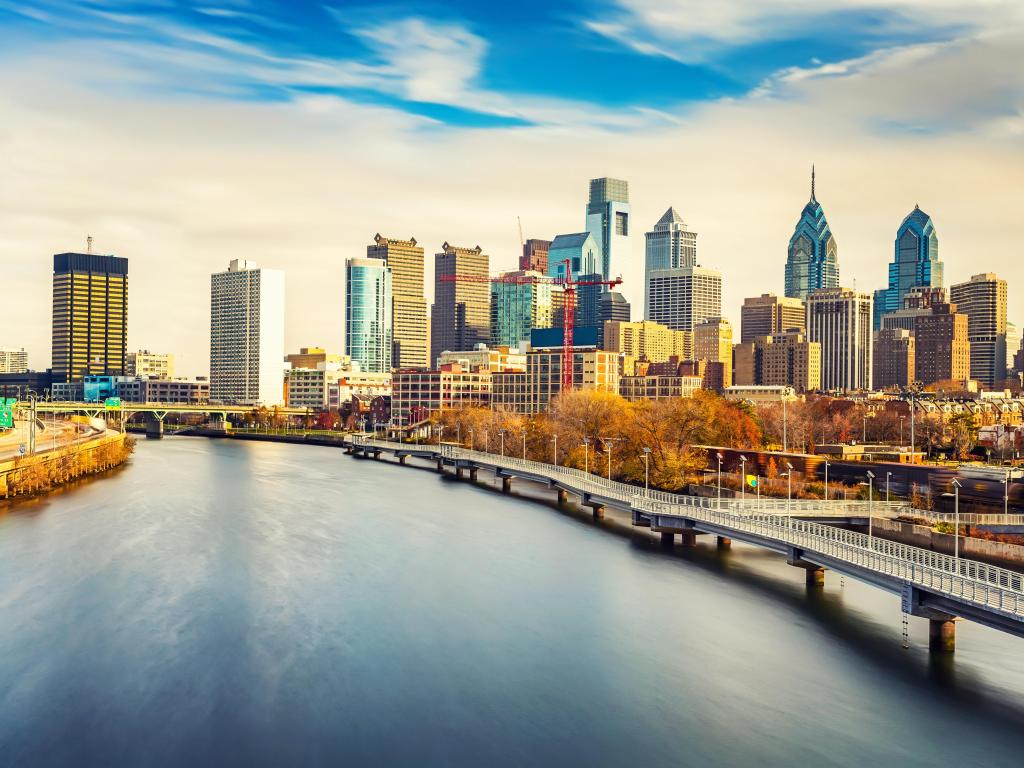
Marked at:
<point>592,369</point>
<point>685,297</point>
<point>839,319</point>
<point>580,249</point>
<point>521,302</point>
<point>983,300</point>
<point>409,326</point>
<point>90,316</point>
<point>151,365</point>
<point>247,335</point>
<point>659,387</point>
<point>915,264</point>
<point>812,262</point>
<point>608,214</point>
<point>461,316</point>
<point>416,394</point>
<point>768,314</point>
<point>13,360</point>
<point>368,314</point>
<point>670,245</point>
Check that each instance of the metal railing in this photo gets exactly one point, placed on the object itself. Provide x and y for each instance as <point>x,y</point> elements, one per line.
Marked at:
<point>971,581</point>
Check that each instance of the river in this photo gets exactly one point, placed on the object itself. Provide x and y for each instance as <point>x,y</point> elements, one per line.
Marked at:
<point>253,604</point>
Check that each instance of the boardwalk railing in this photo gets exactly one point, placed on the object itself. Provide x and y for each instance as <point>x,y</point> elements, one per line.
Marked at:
<point>965,580</point>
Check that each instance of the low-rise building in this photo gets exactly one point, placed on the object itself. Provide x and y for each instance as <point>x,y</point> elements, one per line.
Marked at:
<point>485,358</point>
<point>150,365</point>
<point>180,391</point>
<point>592,369</point>
<point>760,393</point>
<point>646,340</point>
<point>13,360</point>
<point>417,394</point>
<point>658,387</point>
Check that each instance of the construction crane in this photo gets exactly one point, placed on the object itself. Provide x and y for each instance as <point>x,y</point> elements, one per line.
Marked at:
<point>568,313</point>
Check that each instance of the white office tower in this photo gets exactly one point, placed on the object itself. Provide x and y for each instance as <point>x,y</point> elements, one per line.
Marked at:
<point>840,320</point>
<point>247,335</point>
<point>684,297</point>
<point>670,245</point>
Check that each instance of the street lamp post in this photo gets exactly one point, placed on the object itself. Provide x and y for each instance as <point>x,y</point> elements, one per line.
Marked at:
<point>719,455</point>
<point>864,434</point>
<point>826,479</point>
<point>785,425</point>
<point>888,476</point>
<point>789,486</point>
<point>522,434</point>
<point>458,432</point>
<point>871,489</point>
<point>502,433</point>
<point>1006,493</point>
<point>586,455</point>
<point>956,522</point>
<point>554,451</point>
<point>610,441</point>
<point>647,471</point>
<point>472,440</point>
<point>743,477</point>
<point>902,419</point>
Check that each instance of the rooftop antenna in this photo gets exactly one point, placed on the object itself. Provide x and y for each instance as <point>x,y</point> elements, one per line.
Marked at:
<point>812,181</point>
<point>520,223</point>
<point>88,244</point>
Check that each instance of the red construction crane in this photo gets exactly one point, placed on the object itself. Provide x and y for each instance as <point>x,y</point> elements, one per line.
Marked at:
<point>569,313</point>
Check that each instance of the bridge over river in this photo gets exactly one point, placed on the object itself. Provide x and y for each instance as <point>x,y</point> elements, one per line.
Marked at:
<point>813,535</point>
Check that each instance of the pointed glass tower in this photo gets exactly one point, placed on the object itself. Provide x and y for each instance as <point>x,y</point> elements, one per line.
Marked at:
<point>813,260</point>
<point>916,263</point>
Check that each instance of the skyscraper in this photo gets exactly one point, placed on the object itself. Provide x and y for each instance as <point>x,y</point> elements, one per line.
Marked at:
<point>521,302</point>
<point>670,245</point>
<point>608,213</point>
<point>369,308</point>
<point>90,316</point>
<point>13,360</point>
<point>915,265</point>
<point>409,327</point>
<point>461,315</point>
<point>535,255</point>
<point>895,358</point>
<point>813,260</point>
<point>942,347</point>
<point>684,297</point>
<point>247,335</point>
<point>712,341</point>
<point>580,249</point>
<point>768,314</point>
<point>840,320</point>
<point>983,299</point>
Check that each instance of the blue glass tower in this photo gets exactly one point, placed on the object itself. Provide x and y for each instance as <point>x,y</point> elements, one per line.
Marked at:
<point>916,263</point>
<point>368,313</point>
<point>813,260</point>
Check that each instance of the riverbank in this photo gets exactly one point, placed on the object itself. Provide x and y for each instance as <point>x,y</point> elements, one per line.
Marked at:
<point>47,470</point>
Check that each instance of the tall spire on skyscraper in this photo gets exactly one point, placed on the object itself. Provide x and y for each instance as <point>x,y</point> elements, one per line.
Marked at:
<point>812,183</point>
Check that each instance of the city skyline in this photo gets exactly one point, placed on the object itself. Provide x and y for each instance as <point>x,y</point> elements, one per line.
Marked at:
<point>300,180</point>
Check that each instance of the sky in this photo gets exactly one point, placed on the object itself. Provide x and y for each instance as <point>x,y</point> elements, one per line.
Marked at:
<point>185,134</point>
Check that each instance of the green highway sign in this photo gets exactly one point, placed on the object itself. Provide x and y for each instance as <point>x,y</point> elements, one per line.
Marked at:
<point>6,417</point>
<point>8,401</point>
<point>112,402</point>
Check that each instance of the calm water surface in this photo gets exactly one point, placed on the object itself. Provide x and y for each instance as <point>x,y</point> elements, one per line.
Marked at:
<point>231,603</point>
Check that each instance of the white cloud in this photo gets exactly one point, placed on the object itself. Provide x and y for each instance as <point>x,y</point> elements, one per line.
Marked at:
<point>696,30</point>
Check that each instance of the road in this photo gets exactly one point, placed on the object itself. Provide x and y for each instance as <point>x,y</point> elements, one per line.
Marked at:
<point>65,432</point>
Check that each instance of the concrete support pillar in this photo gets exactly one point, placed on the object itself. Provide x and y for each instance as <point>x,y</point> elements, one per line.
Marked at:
<point>688,539</point>
<point>815,577</point>
<point>506,485</point>
<point>563,496</point>
<point>458,472</point>
<point>472,474</point>
<point>598,511</point>
<point>668,539</point>
<point>155,428</point>
<point>941,635</point>
<point>401,460</point>
<point>724,542</point>
<point>376,455</point>
<point>440,466</point>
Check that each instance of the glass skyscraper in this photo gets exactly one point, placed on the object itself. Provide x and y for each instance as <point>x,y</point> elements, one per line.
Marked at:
<point>608,214</point>
<point>368,314</point>
<point>518,305</point>
<point>916,263</point>
<point>813,260</point>
<point>670,245</point>
<point>581,250</point>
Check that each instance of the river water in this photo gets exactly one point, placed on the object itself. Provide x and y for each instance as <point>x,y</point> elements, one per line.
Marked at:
<point>231,603</point>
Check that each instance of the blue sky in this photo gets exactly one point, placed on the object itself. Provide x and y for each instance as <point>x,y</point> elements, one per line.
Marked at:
<point>478,63</point>
<point>191,133</point>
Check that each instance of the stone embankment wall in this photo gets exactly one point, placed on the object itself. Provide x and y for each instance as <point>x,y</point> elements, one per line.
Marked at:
<point>47,470</point>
